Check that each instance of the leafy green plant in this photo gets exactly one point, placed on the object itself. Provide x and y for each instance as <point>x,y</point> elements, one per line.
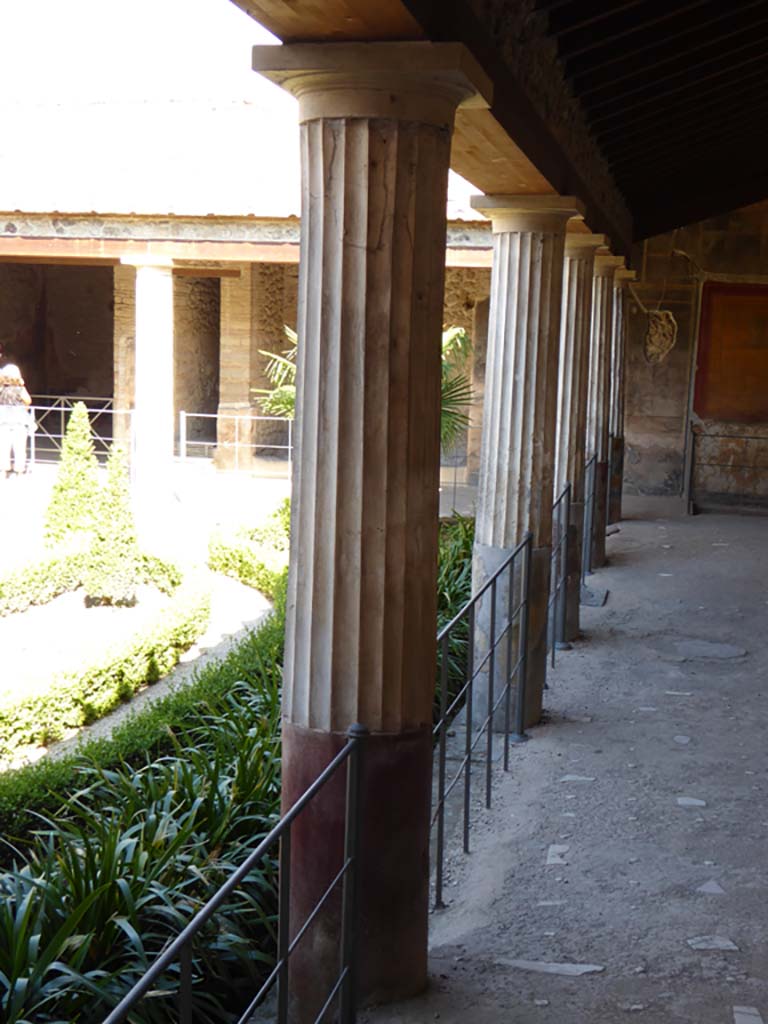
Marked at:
<point>456,388</point>
<point>454,589</point>
<point>70,513</point>
<point>114,567</point>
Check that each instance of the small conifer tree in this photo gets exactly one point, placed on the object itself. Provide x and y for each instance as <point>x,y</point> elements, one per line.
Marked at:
<point>114,561</point>
<point>69,516</point>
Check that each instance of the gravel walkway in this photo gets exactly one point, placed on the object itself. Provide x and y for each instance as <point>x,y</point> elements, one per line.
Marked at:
<point>621,872</point>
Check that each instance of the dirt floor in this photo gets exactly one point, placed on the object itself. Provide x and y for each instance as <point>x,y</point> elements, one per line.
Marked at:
<point>646,793</point>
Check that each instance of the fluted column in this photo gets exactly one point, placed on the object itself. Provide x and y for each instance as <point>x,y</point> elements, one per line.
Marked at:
<point>616,416</point>
<point>518,450</point>
<point>572,395</point>
<point>599,394</point>
<point>376,124</point>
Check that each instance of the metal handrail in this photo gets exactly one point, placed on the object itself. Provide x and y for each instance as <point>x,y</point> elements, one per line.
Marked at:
<point>509,642</point>
<point>344,986</point>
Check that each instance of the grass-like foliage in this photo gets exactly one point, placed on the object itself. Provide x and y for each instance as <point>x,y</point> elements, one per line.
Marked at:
<point>454,589</point>
<point>70,514</point>
<point>136,833</point>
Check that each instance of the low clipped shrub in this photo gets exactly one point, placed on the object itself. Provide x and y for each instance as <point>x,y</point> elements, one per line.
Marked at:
<point>76,699</point>
<point>138,831</point>
<point>40,583</point>
<point>59,574</point>
<point>256,556</point>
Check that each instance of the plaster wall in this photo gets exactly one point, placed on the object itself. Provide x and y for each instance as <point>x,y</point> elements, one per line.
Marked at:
<point>734,248</point>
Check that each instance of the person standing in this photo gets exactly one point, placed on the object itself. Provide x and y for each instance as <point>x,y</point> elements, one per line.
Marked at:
<point>14,420</point>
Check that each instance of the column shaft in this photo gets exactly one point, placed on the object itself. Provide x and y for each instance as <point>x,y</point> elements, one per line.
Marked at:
<point>618,383</point>
<point>519,418</point>
<point>361,621</point>
<point>599,395</point>
<point>573,392</point>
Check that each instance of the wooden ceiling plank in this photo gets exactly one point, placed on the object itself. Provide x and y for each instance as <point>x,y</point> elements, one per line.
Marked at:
<point>656,87</point>
<point>657,111</point>
<point>717,47</point>
<point>591,40</point>
<point>576,69</point>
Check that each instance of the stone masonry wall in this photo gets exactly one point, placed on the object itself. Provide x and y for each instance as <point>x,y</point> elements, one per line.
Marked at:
<point>658,393</point>
<point>56,323</point>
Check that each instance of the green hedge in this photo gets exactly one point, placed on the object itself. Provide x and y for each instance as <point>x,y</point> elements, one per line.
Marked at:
<point>42,788</point>
<point>256,556</point>
<point>59,574</point>
<point>76,699</point>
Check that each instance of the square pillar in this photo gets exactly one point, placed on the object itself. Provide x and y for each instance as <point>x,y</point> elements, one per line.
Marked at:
<point>515,494</point>
<point>376,123</point>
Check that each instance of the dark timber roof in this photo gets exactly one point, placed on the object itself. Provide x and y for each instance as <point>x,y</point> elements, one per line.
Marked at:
<point>676,95</point>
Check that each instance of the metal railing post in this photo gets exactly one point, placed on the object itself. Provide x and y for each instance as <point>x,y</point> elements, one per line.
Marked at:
<point>564,518</point>
<point>589,511</point>
<point>182,435</point>
<point>442,755</point>
<point>185,984</point>
<point>491,676</point>
<point>468,733</point>
<point>348,1001</point>
<point>284,926</point>
<point>510,649</point>
<point>520,735</point>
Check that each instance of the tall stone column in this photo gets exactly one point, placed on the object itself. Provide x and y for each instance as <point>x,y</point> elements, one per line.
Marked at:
<point>376,123</point>
<point>616,417</point>
<point>153,420</point>
<point>572,396</point>
<point>515,493</point>
<point>599,394</point>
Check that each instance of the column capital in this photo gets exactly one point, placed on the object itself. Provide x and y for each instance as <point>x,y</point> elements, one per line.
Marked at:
<point>622,276</point>
<point>606,266</point>
<point>528,213</point>
<point>413,81</point>
<point>580,242</point>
